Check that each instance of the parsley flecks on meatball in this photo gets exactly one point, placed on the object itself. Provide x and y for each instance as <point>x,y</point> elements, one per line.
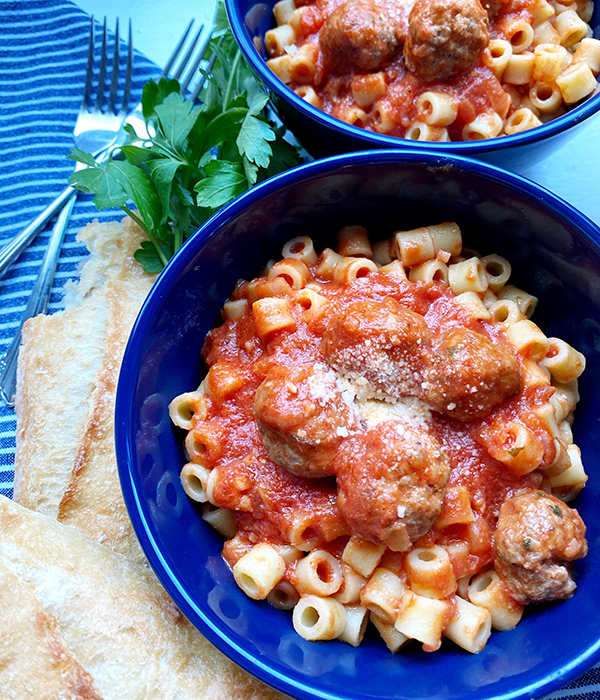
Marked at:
<point>537,539</point>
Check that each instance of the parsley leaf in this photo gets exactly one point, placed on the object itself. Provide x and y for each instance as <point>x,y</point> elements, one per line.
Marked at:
<point>198,157</point>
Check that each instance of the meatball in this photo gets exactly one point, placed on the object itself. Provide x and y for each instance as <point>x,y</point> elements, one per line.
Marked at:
<point>537,539</point>
<point>391,483</point>
<point>382,343</point>
<point>357,36</point>
<point>467,376</point>
<point>302,417</point>
<point>445,37</point>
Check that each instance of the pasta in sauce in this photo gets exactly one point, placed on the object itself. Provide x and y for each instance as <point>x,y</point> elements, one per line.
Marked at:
<point>383,434</point>
<point>437,70</point>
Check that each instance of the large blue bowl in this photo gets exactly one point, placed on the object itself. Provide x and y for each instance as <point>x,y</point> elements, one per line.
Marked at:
<point>322,134</point>
<point>555,252</point>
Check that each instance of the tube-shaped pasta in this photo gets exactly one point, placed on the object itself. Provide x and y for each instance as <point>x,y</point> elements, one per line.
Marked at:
<point>291,270</point>
<point>588,52</point>
<point>394,268</point>
<point>497,270</point>
<point>576,82</point>
<point>220,519</point>
<point>309,94</point>
<point>234,309</point>
<point>367,89</point>
<point>497,55</point>
<point>528,339</point>
<point>203,443</point>
<point>488,591</point>
<point>541,11</point>
<point>272,315</point>
<point>473,305</point>
<point>193,479</point>
<point>430,572</point>
<point>545,97</point>
<point>563,361</point>
<point>382,117</point>
<point>283,596</point>
<point>519,33</point>
<point>561,461</point>
<point>363,556</point>
<point>436,108</point>
<point>259,571</point>
<point>283,10</point>
<point>185,407</point>
<point>303,63</point>
<point>526,302</point>
<point>549,62</point>
<point>571,28</point>
<point>327,263</point>
<point>354,240</point>
<point>422,619</point>
<point>282,68</point>
<point>278,38</point>
<point>348,270</point>
<point>352,584</point>
<point>353,115</point>
<point>429,272</point>
<point>446,238</point>
<point>488,298</point>
<point>317,618</point>
<point>545,33</point>
<point>420,131</point>
<point>385,251</point>
<point>312,302</point>
<point>470,627</point>
<point>382,594</point>
<point>357,619</point>
<point>422,244</point>
<point>519,69</point>
<point>505,312</point>
<point>518,448</point>
<point>456,508</point>
<point>393,639</point>
<point>300,248</point>
<point>318,573</point>
<point>521,120</point>
<point>573,476</point>
<point>564,400</point>
<point>467,276</point>
<point>484,126</point>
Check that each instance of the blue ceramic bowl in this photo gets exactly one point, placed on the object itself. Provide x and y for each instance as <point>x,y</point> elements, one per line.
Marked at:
<point>555,252</point>
<point>322,134</point>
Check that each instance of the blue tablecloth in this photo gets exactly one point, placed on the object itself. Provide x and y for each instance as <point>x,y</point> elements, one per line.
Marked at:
<point>43,50</point>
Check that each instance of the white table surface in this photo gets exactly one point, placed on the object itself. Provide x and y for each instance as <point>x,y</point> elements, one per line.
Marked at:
<point>573,172</point>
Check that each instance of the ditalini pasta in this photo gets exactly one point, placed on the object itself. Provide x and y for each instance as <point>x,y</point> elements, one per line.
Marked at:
<point>437,70</point>
<point>384,435</point>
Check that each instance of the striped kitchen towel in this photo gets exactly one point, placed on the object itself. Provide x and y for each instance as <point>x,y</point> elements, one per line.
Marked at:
<point>43,54</point>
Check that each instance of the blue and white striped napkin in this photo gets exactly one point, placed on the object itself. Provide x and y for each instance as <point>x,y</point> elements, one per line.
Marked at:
<point>43,54</point>
<point>43,51</point>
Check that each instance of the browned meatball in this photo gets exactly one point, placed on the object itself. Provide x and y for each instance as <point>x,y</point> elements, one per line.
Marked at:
<point>467,376</point>
<point>383,343</point>
<point>357,36</point>
<point>302,418</point>
<point>537,539</point>
<point>445,37</point>
<point>391,483</point>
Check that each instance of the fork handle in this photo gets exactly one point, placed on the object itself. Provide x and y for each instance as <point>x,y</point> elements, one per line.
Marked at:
<point>38,302</point>
<point>11,251</point>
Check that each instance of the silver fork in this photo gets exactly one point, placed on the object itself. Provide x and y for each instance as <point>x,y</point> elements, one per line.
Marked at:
<point>38,302</point>
<point>95,131</point>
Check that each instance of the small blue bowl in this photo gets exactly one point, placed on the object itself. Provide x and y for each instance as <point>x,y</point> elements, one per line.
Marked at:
<point>555,252</point>
<point>322,134</point>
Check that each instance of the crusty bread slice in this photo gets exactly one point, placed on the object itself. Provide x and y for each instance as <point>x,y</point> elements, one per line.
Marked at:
<point>35,663</point>
<point>114,617</point>
<point>65,464</point>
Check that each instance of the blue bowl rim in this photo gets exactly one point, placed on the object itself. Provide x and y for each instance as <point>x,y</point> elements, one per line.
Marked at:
<point>374,140</point>
<point>292,683</point>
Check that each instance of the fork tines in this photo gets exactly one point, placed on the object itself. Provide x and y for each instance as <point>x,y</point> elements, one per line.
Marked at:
<point>195,46</point>
<point>114,82</point>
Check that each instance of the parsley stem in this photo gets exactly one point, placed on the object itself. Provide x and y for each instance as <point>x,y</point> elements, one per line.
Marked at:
<point>230,82</point>
<point>149,233</point>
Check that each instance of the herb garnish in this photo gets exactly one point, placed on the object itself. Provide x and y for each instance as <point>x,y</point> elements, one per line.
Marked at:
<point>200,157</point>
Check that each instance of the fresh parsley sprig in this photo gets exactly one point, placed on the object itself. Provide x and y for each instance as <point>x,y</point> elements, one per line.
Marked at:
<point>199,158</point>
